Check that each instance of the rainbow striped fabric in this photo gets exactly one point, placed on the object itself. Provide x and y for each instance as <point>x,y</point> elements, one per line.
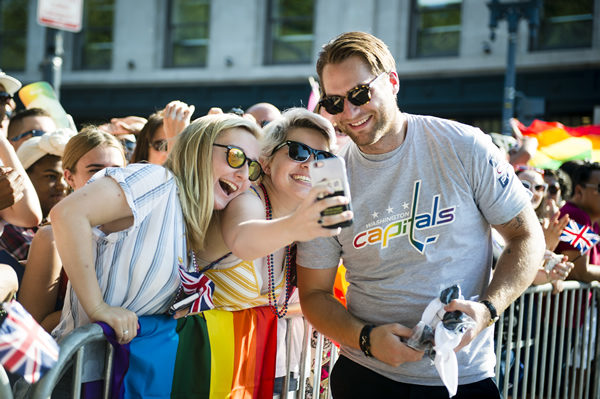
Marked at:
<point>217,354</point>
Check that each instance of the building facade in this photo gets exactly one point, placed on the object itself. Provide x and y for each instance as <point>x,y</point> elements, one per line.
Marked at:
<point>133,56</point>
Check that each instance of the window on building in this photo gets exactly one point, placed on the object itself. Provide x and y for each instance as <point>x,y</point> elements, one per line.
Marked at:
<point>435,30</point>
<point>565,24</point>
<point>13,34</point>
<point>93,45</point>
<point>188,33</point>
<point>290,32</point>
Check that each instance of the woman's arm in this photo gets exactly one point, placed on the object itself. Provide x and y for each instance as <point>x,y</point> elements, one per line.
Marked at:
<point>26,210</point>
<point>41,280</point>
<point>249,235</point>
<point>100,203</point>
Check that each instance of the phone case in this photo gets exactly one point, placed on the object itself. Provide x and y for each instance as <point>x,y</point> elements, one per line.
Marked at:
<point>332,171</point>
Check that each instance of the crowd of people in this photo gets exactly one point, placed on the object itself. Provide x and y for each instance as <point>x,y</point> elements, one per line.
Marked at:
<point>95,231</point>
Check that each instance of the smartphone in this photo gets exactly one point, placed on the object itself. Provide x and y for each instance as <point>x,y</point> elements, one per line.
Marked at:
<point>184,303</point>
<point>332,171</point>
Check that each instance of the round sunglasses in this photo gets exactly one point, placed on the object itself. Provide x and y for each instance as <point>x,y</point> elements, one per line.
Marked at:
<point>300,152</point>
<point>536,187</point>
<point>236,158</point>
<point>359,95</point>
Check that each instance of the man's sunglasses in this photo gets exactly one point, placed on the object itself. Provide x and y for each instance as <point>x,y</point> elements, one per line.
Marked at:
<point>236,158</point>
<point>159,145</point>
<point>537,187</point>
<point>300,152</point>
<point>360,95</point>
<point>32,133</point>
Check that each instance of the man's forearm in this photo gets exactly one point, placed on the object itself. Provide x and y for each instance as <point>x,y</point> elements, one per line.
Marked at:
<point>331,318</point>
<point>517,266</point>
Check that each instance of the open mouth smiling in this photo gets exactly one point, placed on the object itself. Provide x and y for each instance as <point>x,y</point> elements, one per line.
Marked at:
<point>227,186</point>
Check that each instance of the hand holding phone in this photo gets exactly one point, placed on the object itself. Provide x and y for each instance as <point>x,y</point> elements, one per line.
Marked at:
<point>332,172</point>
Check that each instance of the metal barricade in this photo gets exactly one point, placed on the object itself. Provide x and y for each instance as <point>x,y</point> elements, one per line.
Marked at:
<point>546,344</point>
<point>5,389</point>
<point>546,347</point>
<point>76,353</point>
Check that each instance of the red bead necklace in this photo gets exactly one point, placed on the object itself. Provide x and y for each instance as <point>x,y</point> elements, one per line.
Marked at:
<point>270,270</point>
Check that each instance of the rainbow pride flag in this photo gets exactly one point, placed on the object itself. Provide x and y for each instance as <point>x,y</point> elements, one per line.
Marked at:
<point>558,143</point>
<point>217,354</point>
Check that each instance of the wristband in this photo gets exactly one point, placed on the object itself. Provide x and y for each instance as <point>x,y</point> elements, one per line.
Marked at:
<point>493,313</point>
<point>364,340</point>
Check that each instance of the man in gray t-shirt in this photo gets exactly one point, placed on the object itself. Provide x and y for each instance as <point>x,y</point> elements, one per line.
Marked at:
<point>425,193</point>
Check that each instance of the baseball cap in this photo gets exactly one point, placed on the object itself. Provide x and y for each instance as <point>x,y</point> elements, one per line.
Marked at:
<point>11,85</point>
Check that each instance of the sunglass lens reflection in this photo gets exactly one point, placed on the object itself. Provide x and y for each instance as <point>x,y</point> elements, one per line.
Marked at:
<point>235,157</point>
<point>359,96</point>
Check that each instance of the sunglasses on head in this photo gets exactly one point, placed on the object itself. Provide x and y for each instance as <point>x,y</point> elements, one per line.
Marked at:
<point>236,158</point>
<point>4,96</point>
<point>32,133</point>
<point>300,152</point>
<point>536,187</point>
<point>159,145</point>
<point>360,95</point>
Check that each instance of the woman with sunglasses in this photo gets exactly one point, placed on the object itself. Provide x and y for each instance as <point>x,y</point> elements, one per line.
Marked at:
<point>123,237</point>
<point>533,180</point>
<point>151,142</point>
<point>250,247</point>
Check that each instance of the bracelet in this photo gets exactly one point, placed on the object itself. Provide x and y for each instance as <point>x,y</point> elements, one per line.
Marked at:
<point>364,340</point>
<point>492,309</point>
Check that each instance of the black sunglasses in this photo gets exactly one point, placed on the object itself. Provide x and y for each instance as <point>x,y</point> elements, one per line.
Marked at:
<point>4,96</point>
<point>159,145</point>
<point>360,95</point>
<point>236,158</point>
<point>32,133</point>
<point>300,152</point>
<point>537,187</point>
<point>554,188</point>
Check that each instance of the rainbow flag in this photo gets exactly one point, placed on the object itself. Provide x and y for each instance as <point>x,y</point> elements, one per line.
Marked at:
<point>558,143</point>
<point>217,354</point>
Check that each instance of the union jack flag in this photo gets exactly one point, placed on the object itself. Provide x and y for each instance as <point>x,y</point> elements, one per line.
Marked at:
<point>25,348</point>
<point>581,237</point>
<point>201,287</point>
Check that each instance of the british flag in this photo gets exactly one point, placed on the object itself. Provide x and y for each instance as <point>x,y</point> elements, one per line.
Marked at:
<point>581,237</point>
<point>198,283</point>
<point>25,348</point>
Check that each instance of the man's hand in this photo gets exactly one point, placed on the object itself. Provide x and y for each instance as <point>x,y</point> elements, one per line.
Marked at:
<point>387,346</point>
<point>11,187</point>
<point>478,312</point>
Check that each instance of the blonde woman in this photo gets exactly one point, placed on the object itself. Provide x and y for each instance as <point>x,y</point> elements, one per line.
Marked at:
<point>122,236</point>
<point>44,282</point>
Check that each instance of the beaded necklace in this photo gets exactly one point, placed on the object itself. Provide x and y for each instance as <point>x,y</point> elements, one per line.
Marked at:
<point>270,270</point>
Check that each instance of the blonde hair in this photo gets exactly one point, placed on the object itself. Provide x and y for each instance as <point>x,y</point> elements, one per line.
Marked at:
<point>89,138</point>
<point>370,49</point>
<point>190,161</point>
<point>277,130</point>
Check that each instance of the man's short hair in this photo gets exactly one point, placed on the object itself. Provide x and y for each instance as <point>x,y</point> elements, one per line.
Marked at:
<point>18,116</point>
<point>370,49</point>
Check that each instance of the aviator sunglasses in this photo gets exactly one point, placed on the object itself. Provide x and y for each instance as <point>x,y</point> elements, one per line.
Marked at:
<point>537,187</point>
<point>360,95</point>
<point>300,152</point>
<point>236,158</point>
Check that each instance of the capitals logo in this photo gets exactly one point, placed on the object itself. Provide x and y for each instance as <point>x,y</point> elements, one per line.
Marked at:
<point>408,225</point>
